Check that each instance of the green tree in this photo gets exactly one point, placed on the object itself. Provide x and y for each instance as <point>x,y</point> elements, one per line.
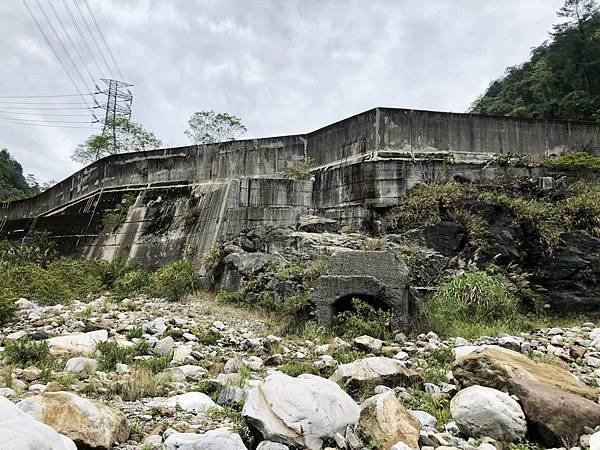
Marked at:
<point>208,127</point>
<point>130,137</point>
<point>562,78</point>
<point>13,184</point>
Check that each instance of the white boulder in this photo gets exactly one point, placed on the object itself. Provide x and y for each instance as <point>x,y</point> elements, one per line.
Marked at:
<point>195,402</point>
<point>20,431</point>
<point>77,344</point>
<point>82,367</point>
<point>219,439</point>
<point>485,412</point>
<point>301,411</point>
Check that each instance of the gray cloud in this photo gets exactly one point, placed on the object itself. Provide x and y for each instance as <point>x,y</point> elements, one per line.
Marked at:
<point>282,66</point>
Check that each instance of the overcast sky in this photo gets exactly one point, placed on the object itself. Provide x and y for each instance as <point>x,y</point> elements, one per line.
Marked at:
<point>283,66</point>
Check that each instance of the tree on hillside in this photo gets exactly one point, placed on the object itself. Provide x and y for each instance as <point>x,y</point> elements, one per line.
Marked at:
<point>208,127</point>
<point>13,184</point>
<point>130,137</point>
<point>562,78</point>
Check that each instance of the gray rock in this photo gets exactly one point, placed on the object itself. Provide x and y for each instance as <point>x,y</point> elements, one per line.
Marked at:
<point>195,402</point>
<point>268,445</point>
<point>368,343</point>
<point>425,419</point>
<point>480,411</point>
<point>157,326</point>
<point>163,346</point>
<point>232,396</point>
<point>219,439</point>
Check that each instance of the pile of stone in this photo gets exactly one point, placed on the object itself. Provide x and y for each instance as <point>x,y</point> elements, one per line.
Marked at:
<point>226,386</point>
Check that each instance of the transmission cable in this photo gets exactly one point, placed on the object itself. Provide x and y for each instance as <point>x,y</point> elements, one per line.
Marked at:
<point>94,40</point>
<point>64,48</point>
<point>53,50</point>
<point>47,96</point>
<point>87,5</point>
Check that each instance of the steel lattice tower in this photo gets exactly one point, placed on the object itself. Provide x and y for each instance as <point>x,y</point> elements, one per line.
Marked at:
<point>117,104</point>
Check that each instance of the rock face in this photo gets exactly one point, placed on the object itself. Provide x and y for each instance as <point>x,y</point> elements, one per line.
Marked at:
<point>219,439</point>
<point>556,417</point>
<point>495,366</point>
<point>19,431</point>
<point>378,370</point>
<point>300,411</point>
<point>385,421</point>
<point>363,274</point>
<point>77,344</point>
<point>88,423</point>
<point>485,412</point>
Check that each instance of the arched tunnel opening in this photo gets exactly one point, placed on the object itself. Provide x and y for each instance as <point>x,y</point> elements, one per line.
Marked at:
<point>350,302</point>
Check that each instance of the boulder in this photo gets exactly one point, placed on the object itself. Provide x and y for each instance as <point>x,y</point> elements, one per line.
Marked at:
<point>368,343</point>
<point>485,412</point>
<point>301,411</point>
<point>82,367</point>
<point>375,370</point>
<point>83,344</point>
<point>19,431</point>
<point>219,439</point>
<point>268,445</point>
<point>494,367</point>
<point>196,402</point>
<point>163,346</point>
<point>88,423</point>
<point>555,416</point>
<point>385,421</point>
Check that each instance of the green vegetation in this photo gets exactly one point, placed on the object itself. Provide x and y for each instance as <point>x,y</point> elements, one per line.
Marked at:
<point>209,127</point>
<point>562,78</point>
<point>174,281</point>
<point>8,306</point>
<point>23,352</point>
<point>112,219</point>
<point>437,406</point>
<point>294,369</point>
<point>573,161</point>
<point>129,137</point>
<point>142,383</point>
<point>362,319</point>
<point>429,204</point>
<point>300,171</point>
<point>13,184</point>
<point>131,283</point>
<point>469,304</point>
<point>438,364</point>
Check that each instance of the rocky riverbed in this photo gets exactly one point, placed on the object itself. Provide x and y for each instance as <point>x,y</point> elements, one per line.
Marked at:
<point>196,374</point>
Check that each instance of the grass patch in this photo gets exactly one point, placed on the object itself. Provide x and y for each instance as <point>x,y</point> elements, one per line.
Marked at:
<point>142,383</point>
<point>439,363</point>
<point>436,406</point>
<point>24,352</point>
<point>111,354</point>
<point>470,303</point>
<point>175,280</point>
<point>574,161</point>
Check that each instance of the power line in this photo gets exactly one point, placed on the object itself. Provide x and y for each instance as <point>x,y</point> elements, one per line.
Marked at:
<point>60,22</point>
<point>58,107</point>
<point>7,111</point>
<point>87,5</point>
<point>53,49</point>
<point>44,103</point>
<point>104,23</point>
<point>42,120</point>
<point>44,125</point>
<point>94,40</point>
<point>78,73</point>
<point>87,45</point>
<point>47,96</point>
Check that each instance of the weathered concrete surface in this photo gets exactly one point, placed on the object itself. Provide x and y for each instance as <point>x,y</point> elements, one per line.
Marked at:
<point>188,198</point>
<point>378,278</point>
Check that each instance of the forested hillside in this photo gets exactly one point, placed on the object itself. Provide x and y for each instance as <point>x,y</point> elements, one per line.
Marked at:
<point>13,184</point>
<point>562,78</point>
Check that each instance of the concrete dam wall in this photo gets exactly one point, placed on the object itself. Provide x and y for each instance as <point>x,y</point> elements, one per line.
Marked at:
<point>180,201</point>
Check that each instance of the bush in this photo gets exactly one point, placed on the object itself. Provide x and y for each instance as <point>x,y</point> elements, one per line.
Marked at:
<point>131,283</point>
<point>174,280</point>
<point>24,352</point>
<point>575,160</point>
<point>112,219</point>
<point>466,303</point>
<point>362,319</point>
<point>142,384</point>
<point>300,171</point>
<point>8,305</point>
<point>112,353</point>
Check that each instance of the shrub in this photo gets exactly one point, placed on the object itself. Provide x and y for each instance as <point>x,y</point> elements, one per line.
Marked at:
<point>575,160</point>
<point>131,283</point>
<point>231,297</point>
<point>113,218</point>
<point>174,280</point>
<point>142,383</point>
<point>24,352</point>
<point>468,301</point>
<point>112,353</point>
<point>300,171</point>
<point>156,364</point>
<point>135,332</point>
<point>362,319</point>
<point>212,260</point>
<point>8,305</point>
